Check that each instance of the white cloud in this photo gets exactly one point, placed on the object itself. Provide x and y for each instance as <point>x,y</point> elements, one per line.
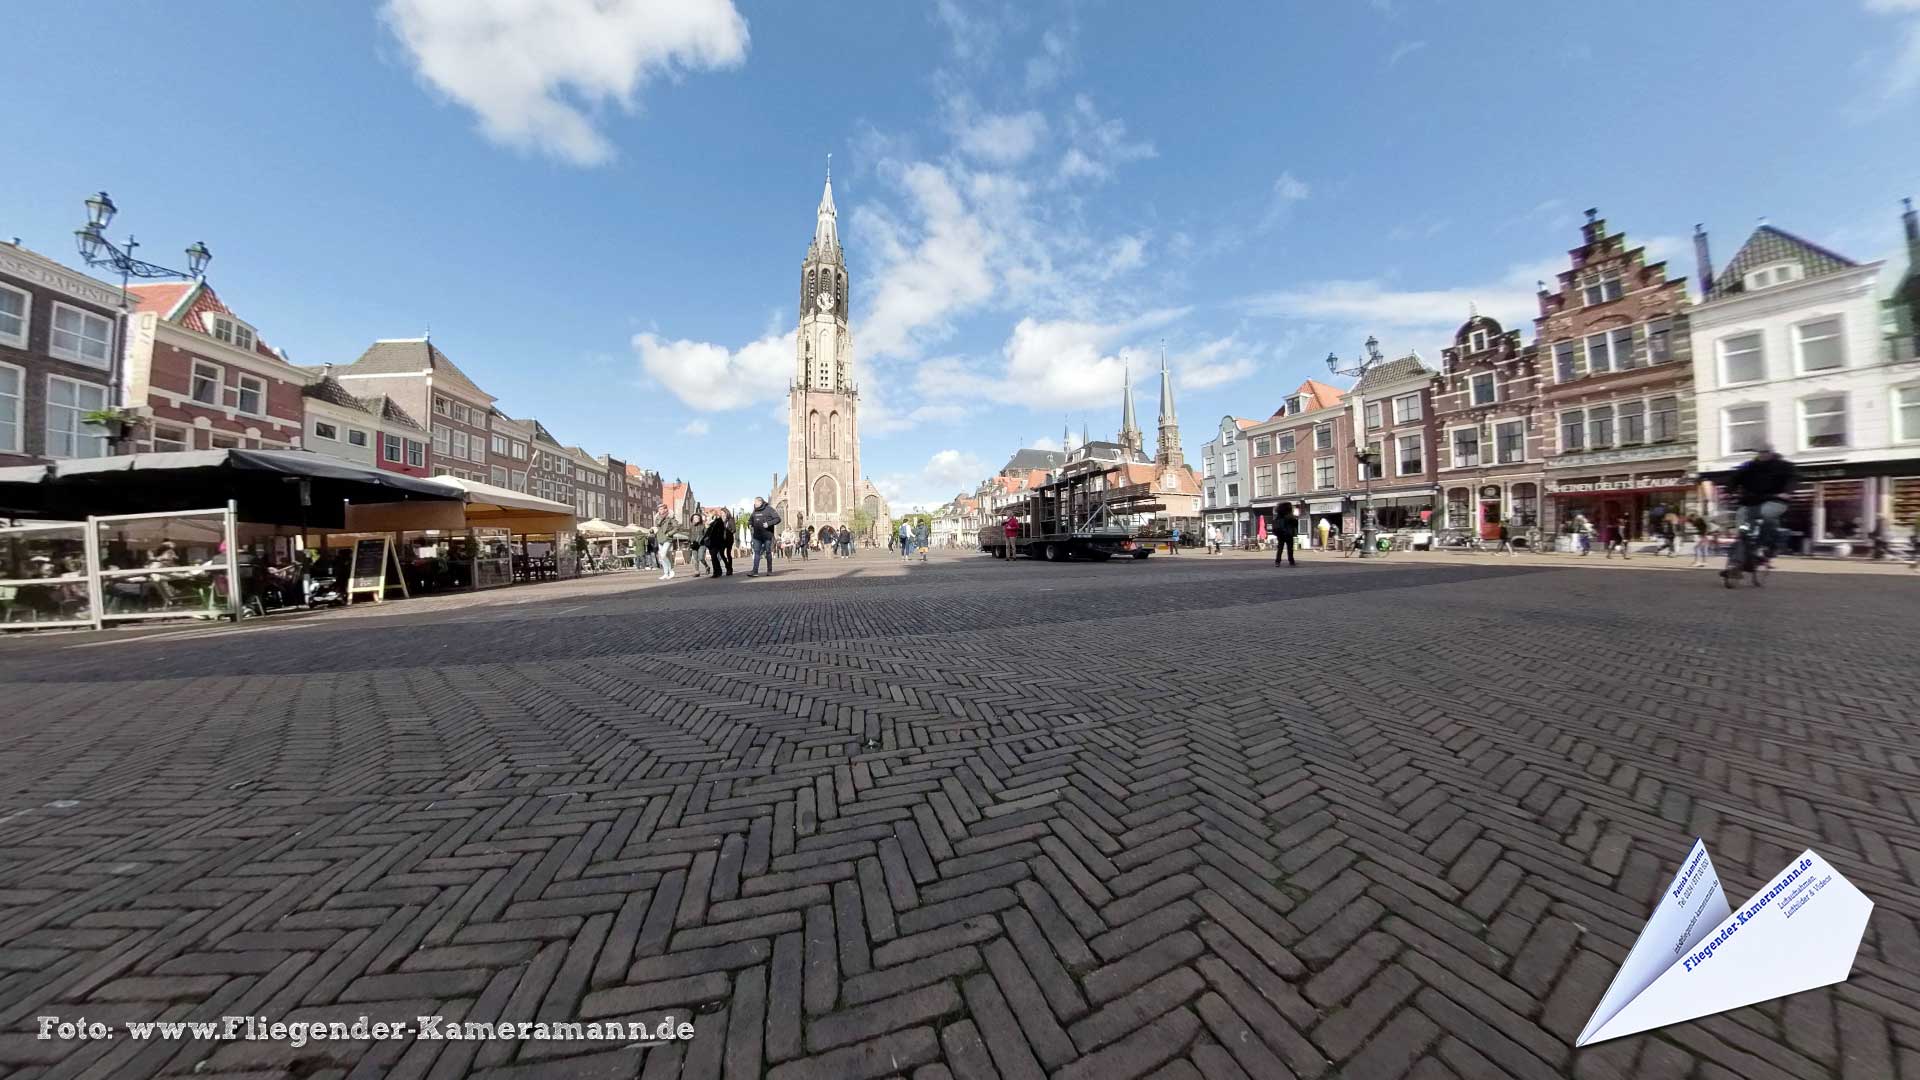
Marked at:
<point>1054,59</point>
<point>533,70</point>
<point>710,377</point>
<point>1510,299</point>
<point>1002,138</point>
<point>934,262</point>
<point>1288,189</point>
<point>1404,50</point>
<point>1214,363</point>
<point>696,426</point>
<point>1045,443</point>
<point>945,473</point>
<point>1098,144</point>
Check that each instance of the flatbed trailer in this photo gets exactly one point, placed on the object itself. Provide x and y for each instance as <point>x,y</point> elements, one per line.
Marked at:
<point>1071,516</point>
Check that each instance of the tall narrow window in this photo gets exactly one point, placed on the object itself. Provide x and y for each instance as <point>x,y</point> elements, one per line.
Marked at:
<point>1746,428</point>
<point>80,336</point>
<point>1824,420</point>
<point>68,433</point>
<point>1633,422</point>
<point>1573,431</point>
<point>1566,365</point>
<point>13,393</point>
<point>1659,340</point>
<point>1742,360</point>
<point>1664,422</point>
<point>1820,345</point>
<point>1600,427</point>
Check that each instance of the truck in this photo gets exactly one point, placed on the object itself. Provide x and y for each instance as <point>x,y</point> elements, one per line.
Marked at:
<point>1074,515</point>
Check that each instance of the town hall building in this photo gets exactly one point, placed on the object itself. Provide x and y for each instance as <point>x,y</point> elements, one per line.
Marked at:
<point>823,484</point>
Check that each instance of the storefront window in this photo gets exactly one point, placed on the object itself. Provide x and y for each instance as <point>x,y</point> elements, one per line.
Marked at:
<point>1526,506</point>
<point>1457,514</point>
<point>1843,509</point>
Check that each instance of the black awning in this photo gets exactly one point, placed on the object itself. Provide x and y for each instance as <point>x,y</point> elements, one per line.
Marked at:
<point>267,485</point>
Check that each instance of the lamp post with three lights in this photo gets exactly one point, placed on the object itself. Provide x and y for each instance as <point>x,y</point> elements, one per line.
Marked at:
<point>1363,452</point>
<point>97,250</point>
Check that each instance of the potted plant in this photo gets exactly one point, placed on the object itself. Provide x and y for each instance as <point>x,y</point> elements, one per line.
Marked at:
<point>118,423</point>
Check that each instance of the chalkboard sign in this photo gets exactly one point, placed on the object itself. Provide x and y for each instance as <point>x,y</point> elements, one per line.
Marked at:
<point>369,567</point>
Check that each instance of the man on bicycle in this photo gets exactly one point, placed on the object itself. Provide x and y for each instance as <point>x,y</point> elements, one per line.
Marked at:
<point>1763,483</point>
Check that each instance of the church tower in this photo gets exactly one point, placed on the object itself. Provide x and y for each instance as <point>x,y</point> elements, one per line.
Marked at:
<point>823,441</point>
<point>1131,442</point>
<point>1167,451</point>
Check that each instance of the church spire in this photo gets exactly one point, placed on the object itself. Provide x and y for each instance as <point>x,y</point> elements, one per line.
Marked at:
<point>1130,439</point>
<point>1167,451</point>
<point>826,223</point>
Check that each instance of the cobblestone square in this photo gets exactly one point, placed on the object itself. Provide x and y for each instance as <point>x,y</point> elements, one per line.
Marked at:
<point>1192,817</point>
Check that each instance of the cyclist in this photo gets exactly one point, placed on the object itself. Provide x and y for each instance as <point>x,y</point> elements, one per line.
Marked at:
<point>1763,483</point>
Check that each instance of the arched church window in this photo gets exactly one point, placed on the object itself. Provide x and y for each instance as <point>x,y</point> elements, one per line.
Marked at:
<point>833,435</point>
<point>813,432</point>
<point>840,300</point>
<point>826,496</point>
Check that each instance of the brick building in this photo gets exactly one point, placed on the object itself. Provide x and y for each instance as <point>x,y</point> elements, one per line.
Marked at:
<point>1392,408</point>
<point>1296,457</point>
<point>509,450</point>
<point>1491,439</point>
<point>202,378</point>
<point>643,496</point>
<point>57,344</point>
<point>426,384</point>
<point>1618,387</point>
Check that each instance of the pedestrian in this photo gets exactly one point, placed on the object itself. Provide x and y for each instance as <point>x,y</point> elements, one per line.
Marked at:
<point>1582,534</point>
<point>762,522</point>
<point>663,539</point>
<point>846,542</point>
<point>716,541</point>
<point>923,538</point>
<point>1506,541</point>
<point>1285,528</point>
<point>1702,538</point>
<point>1213,539</point>
<point>1173,547</point>
<point>893,539</point>
<point>906,539</point>
<point>806,540</point>
<point>1011,527</point>
<point>1617,537</point>
<point>1669,535</point>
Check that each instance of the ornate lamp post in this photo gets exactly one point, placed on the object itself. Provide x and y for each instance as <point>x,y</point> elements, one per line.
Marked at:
<point>1363,452</point>
<point>97,250</point>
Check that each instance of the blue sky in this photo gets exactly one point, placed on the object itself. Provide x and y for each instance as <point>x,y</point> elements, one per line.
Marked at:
<point>600,208</point>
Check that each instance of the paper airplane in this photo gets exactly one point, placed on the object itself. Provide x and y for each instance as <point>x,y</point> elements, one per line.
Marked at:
<point>1698,957</point>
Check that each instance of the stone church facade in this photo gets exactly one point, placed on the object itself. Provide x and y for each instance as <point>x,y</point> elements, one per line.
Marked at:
<point>823,483</point>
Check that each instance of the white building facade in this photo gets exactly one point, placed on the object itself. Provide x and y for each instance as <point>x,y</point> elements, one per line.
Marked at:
<point>1225,468</point>
<point>1789,350</point>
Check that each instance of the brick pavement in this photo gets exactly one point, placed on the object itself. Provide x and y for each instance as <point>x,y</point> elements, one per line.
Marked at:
<point>1195,817</point>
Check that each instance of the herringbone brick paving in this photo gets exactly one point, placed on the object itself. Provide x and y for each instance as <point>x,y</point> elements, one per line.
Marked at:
<point>964,819</point>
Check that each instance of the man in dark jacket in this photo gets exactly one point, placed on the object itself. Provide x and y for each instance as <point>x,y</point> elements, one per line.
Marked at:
<point>719,541</point>
<point>1763,483</point>
<point>806,540</point>
<point>763,521</point>
<point>1286,528</point>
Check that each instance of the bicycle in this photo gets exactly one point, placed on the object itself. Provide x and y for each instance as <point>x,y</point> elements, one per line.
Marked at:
<point>1746,555</point>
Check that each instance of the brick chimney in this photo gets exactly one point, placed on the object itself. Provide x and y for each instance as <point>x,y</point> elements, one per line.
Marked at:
<point>1703,261</point>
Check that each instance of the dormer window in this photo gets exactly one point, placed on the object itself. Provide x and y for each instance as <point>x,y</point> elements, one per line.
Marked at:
<point>1774,274</point>
<point>1602,289</point>
<point>1297,404</point>
<point>232,332</point>
<point>1478,341</point>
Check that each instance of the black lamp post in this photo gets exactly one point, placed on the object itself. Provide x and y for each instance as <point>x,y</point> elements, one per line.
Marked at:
<point>97,250</point>
<point>1363,452</point>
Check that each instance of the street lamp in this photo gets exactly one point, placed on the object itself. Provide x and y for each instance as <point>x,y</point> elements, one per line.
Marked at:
<point>1363,452</point>
<point>97,250</point>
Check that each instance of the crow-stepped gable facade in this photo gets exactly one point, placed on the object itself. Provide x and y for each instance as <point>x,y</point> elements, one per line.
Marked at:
<point>823,484</point>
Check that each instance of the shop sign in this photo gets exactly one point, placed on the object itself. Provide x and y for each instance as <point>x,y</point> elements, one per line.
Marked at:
<point>1327,507</point>
<point>1631,483</point>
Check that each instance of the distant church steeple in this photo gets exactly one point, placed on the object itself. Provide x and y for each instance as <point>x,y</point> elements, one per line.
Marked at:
<point>1131,441</point>
<point>1167,450</point>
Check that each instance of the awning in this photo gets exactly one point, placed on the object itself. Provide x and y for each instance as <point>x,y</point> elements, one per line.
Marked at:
<point>501,508</point>
<point>274,487</point>
<point>598,527</point>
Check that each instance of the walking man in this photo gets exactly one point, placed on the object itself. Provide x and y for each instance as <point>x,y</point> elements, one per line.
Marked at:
<point>1173,546</point>
<point>762,522</point>
<point>1011,527</point>
<point>1702,539</point>
<point>1617,536</point>
<point>1286,528</point>
<point>717,541</point>
<point>906,540</point>
<point>806,540</point>
<point>846,542</point>
<point>923,538</point>
<point>1506,540</point>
